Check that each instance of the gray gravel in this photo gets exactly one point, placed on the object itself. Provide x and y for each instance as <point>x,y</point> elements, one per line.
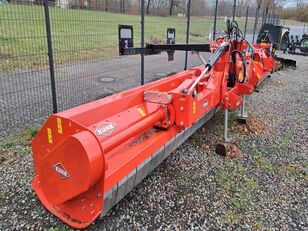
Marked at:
<point>194,189</point>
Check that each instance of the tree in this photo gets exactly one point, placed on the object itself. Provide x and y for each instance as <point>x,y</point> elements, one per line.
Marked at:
<point>173,4</point>
<point>148,6</point>
<point>122,6</point>
<point>106,6</point>
<point>259,3</point>
<point>241,7</point>
<point>171,7</point>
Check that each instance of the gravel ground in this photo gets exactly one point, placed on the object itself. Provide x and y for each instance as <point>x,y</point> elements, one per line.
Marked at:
<point>265,187</point>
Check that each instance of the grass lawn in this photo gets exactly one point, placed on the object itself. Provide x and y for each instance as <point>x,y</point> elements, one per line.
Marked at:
<point>80,35</point>
<point>291,22</point>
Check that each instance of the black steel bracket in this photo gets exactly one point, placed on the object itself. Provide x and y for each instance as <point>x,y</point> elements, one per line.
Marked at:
<point>152,49</point>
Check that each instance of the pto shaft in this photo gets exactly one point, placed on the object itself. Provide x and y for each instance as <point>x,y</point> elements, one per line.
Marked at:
<point>133,130</point>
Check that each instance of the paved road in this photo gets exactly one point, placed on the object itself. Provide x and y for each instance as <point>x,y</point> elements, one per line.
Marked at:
<point>26,100</point>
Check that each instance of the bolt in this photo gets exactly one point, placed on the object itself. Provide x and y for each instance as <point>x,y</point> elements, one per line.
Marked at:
<point>182,108</point>
<point>83,207</point>
<point>98,195</point>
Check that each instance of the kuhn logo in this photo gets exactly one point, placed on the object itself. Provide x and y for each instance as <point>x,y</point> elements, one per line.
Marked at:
<point>105,129</point>
<point>59,168</point>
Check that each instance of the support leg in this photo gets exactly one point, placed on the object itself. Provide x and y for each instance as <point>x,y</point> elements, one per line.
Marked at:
<point>226,126</point>
<point>221,147</point>
<point>242,114</point>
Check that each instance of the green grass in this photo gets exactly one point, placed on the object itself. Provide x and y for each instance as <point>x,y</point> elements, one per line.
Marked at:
<point>80,35</point>
<point>238,191</point>
<point>18,145</point>
<point>54,229</point>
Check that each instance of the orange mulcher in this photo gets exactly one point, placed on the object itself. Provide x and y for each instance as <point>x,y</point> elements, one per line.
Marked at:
<point>89,157</point>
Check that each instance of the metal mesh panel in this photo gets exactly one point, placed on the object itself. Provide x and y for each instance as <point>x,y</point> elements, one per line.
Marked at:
<point>25,94</point>
<point>85,44</point>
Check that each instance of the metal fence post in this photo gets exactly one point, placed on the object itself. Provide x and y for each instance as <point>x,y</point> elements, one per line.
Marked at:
<point>246,21</point>
<point>234,7</point>
<point>272,18</point>
<point>142,41</point>
<point>304,29</point>
<point>277,19</point>
<point>262,17</point>
<point>50,57</point>
<point>266,15</point>
<point>256,23</point>
<point>187,31</point>
<point>215,20</point>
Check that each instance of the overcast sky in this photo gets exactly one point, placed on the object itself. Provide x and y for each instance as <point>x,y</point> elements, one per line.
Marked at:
<point>292,3</point>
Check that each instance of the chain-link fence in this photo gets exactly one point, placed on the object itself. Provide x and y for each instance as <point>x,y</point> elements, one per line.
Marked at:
<point>58,54</point>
